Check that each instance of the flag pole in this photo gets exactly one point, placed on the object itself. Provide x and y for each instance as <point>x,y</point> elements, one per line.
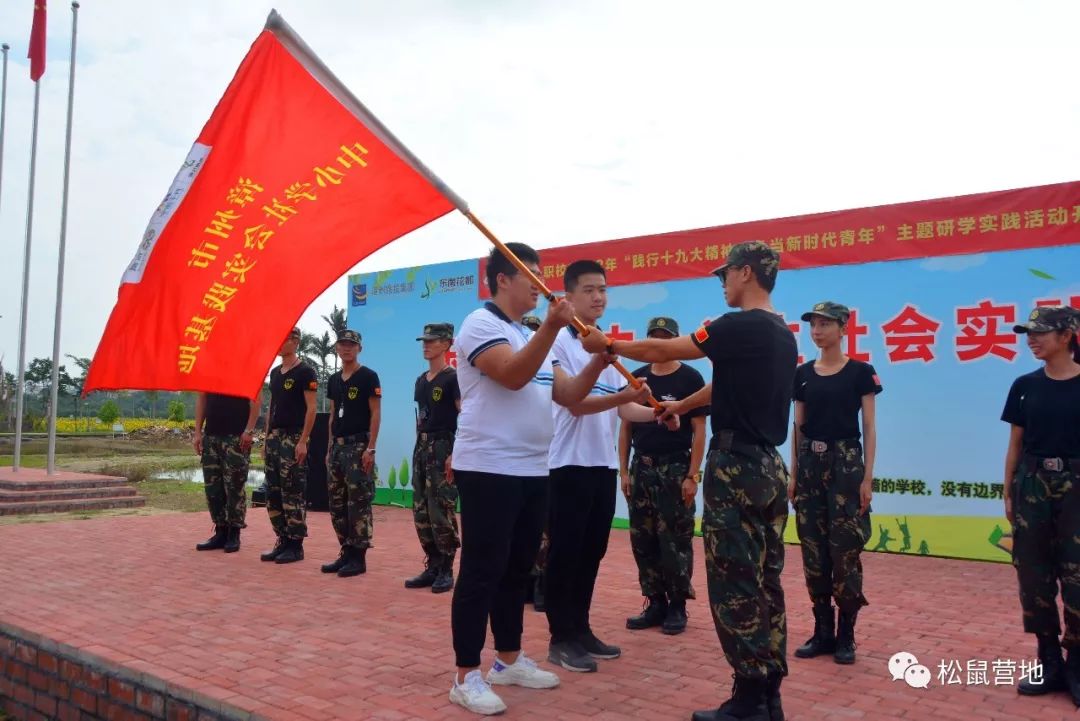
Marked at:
<point>3,110</point>
<point>21,378</point>
<point>55,392</point>
<point>546,292</point>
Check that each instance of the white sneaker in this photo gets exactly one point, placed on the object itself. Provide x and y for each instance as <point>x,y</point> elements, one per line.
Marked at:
<point>476,695</point>
<point>523,672</point>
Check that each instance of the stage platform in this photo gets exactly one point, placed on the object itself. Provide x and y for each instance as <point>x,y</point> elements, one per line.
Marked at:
<point>121,618</point>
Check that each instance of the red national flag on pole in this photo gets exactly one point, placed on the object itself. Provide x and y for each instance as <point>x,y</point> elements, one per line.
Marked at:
<point>37,42</point>
<point>290,183</point>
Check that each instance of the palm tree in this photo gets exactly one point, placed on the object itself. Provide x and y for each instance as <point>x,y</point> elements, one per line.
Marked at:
<point>336,320</point>
<point>306,349</point>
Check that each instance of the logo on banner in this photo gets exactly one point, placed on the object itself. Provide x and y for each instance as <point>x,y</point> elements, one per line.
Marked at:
<point>359,294</point>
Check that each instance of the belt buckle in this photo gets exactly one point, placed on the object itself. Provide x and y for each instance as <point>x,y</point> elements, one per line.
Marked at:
<point>819,446</point>
<point>1053,464</point>
<point>647,460</point>
<point>339,440</point>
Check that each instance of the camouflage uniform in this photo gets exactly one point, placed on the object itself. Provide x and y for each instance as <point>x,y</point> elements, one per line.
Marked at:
<point>831,531</point>
<point>540,566</point>
<point>745,492</point>
<point>1046,547</point>
<point>286,484</point>
<point>434,499</point>
<point>225,471</point>
<point>661,525</point>
<point>351,492</point>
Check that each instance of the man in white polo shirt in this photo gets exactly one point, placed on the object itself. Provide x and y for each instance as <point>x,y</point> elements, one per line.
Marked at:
<point>584,464</point>
<point>508,379</point>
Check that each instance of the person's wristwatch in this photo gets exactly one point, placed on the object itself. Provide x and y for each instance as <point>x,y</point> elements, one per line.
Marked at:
<point>695,477</point>
<point>248,432</point>
<point>369,450</point>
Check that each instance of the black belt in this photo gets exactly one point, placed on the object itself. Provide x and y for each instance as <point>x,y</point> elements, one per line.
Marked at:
<point>825,446</point>
<point>435,435</point>
<point>1054,464</point>
<point>286,431</point>
<point>658,459</point>
<point>351,440</point>
<point>727,440</point>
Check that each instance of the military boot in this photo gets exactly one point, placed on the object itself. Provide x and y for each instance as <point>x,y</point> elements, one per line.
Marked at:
<point>747,703</point>
<point>356,563</point>
<point>232,540</point>
<point>273,553</point>
<point>215,541</point>
<point>293,552</point>
<point>652,614</point>
<point>1053,669</point>
<point>336,565</point>
<point>1072,675</point>
<point>426,577</point>
<point>445,580</point>
<point>845,638</point>
<point>675,620</point>
<point>539,605</point>
<point>824,639</point>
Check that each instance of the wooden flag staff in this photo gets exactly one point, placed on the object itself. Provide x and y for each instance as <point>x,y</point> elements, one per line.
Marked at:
<point>535,280</point>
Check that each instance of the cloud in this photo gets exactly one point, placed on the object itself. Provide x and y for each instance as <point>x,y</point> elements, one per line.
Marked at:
<point>954,263</point>
<point>636,297</point>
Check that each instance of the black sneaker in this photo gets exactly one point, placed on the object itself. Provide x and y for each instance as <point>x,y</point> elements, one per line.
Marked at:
<point>571,656</point>
<point>597,648</point>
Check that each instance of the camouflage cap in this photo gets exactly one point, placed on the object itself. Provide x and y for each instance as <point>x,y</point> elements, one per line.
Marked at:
<point>828,309</point>
<point>754,253</point>
<point>438,331</point>
<point>348,336</point>
<point>294,333</point>
<point>663,323</point>
<point>531,321</point>
<point>1050,317</point>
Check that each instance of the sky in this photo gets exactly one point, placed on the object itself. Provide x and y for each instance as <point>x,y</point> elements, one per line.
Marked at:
<point>558,122</point>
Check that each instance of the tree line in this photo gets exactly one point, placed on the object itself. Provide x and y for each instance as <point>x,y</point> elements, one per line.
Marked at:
<point>316,350</point>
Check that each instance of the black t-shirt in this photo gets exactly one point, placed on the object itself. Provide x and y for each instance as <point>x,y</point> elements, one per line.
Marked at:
<point>753,353</point>
<point>352,411</point>
<point>287,395</point>
<point>225,415</point>
<point>832,403</point>
<point>654,439</point>
<point>436,401</point>
<point>1048,411</point>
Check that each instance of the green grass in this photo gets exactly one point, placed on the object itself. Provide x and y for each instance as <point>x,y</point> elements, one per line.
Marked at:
<point>172,495</point>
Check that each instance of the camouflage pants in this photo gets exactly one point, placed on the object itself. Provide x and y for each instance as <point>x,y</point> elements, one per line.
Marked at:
<point>831,531</point>
<point>350,492</point>
<point>661,526</point>
<point>434,499</point>
<point>286,485</point>
<point>745,491</point>
<point>1046,547</point>
<point>540,566</point>
<point>225,471</point>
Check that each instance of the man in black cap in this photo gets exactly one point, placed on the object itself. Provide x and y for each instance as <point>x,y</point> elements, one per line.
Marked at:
<point>293,388</point>
<point>355,411</point>
<point>438,402</point>
<point>660,487</point>
<point>224,445</point>
<point>753,353</point>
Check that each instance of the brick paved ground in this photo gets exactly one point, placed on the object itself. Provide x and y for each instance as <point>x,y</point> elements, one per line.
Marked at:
<point>286,642</point>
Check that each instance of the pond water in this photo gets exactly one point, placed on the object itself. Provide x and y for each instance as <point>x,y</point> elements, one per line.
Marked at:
<point>195,475</point>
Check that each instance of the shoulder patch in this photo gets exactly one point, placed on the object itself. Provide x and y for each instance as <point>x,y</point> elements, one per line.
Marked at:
<point>378,392</point>
<point>701,334</point>
<point>313,386</point>
<point>877,379</point>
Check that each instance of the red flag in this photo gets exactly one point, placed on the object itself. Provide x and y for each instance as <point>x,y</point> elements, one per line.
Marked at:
<point>37,42</point>
<point>290,183</point>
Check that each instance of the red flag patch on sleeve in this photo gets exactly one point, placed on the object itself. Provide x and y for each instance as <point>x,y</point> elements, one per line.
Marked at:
<point>877,380</point>
<point>313,386</point>
<point>378,392</point>
<point>701,334</point>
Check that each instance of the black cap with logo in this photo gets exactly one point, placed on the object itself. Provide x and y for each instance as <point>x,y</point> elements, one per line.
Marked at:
<point>670,325</point>
<point>348,336</point>
<point>438,331</point>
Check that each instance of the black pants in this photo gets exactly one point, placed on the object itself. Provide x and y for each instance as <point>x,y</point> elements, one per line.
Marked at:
<point>501,521</point>
<point>581,507</point>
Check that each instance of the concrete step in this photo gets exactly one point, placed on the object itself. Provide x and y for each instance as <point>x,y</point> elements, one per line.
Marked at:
<point>11,508</point>
<point>65,494</point>
<point>46,484</point>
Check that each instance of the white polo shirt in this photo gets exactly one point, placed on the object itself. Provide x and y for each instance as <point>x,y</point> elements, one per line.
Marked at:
<point>584,440</point>
<point>500,430</point>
